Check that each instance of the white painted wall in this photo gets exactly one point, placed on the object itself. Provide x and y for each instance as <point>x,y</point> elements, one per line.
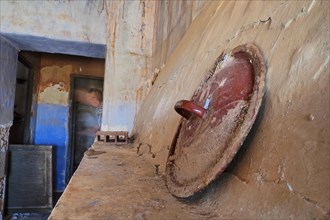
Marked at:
<point>81,21</point>
<point>55,26</point>
<point>129,48</point>
<point>141,36</point>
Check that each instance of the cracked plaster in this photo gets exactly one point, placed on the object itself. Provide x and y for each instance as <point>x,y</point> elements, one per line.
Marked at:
<point>284,165</point>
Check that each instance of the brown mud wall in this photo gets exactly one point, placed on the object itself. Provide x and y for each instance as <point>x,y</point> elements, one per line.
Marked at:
<point>283,169</point>
<point>172,19</point>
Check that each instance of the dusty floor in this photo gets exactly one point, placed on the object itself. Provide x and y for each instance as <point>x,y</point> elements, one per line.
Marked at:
<point>118,184</point>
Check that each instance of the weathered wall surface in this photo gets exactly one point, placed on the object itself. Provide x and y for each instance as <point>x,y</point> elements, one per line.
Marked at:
<point>129,48</point>
<point>8,55</point>
<point>52,125</point>
<point>284,170</point>
<point>172,19</point>
<point>8,66</point>
<point>50,26</point>
<point>66,20</point>
<point>137,31</point>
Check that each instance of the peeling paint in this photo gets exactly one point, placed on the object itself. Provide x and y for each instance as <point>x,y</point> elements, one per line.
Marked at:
<point>54,94</point>
<point>51,75</point>
<point>52,126</point>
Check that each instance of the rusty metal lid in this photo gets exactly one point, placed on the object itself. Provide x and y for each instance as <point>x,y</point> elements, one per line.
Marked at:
<point>215,121</point>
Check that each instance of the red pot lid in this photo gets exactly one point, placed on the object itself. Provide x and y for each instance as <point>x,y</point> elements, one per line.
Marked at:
<point>216,121</point>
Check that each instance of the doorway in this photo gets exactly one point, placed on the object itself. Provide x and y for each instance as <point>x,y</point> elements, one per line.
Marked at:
<point>86,115</point>
<point>20,132</point>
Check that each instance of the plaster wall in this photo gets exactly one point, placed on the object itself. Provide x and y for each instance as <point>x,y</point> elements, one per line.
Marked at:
<point>129,48</point>
<point>283,169</point>
<point>65,20</point>
<point>69,27</point>
<point>52,125</point>
<point>172,19</point>
<point>141,36</point>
